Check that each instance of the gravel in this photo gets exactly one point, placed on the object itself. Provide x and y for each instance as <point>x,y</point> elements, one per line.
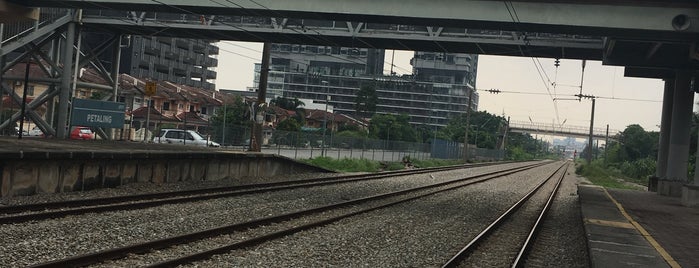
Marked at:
<point>419,233</point>
<point>30,243</point>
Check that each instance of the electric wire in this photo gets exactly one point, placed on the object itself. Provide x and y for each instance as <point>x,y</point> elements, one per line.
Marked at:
<point>539,67</point>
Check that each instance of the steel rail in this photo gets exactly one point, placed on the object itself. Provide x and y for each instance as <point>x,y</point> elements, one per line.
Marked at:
<point>115,253</point>
<point>139,197</point>
<point>528,244</point>
<point>278,234</point>
<point>472,245</point>
<point>136,204</point>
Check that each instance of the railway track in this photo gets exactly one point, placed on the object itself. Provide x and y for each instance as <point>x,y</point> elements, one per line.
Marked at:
<point>498,245</point>
<point>274,227</point>
<point>49,210</point>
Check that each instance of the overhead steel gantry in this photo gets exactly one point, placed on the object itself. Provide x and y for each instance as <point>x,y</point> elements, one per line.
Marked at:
<point>651,38</point>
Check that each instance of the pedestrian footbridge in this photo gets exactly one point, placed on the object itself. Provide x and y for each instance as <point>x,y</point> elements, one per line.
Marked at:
<point>558,130</point>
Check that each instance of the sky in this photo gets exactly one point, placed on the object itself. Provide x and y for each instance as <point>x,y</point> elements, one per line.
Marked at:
<point>525,92</point>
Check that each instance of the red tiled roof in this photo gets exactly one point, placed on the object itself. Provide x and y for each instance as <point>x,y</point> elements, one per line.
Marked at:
<point>142,113</point>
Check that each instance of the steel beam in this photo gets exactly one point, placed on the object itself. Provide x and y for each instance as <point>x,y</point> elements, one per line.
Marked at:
<point>39,100</point>
<point>66,79</point>
<point>662,20</point>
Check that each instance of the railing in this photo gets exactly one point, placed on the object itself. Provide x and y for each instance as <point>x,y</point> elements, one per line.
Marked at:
<point>551,128</point>
<point>14,31</point>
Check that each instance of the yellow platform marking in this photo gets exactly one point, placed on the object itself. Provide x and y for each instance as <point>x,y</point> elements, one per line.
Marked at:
<point>617,224</point>
<point>670,261</point>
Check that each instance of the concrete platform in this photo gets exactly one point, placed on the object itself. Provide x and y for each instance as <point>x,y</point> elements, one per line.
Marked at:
<point>627,228</point>
<point>37,165</point>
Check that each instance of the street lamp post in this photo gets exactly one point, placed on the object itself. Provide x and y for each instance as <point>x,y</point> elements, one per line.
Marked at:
<point>325,115</point>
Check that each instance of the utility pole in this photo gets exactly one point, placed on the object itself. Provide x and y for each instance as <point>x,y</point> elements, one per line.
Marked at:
<point>256,133</point>
<point>592,124</point>
<point>606,144</point>
<point>468,125</point>
<point>325,115</point>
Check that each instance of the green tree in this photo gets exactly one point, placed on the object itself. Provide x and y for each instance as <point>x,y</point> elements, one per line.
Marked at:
<point>290,124</point>
<point>484,130</point>
<point>286,103</point>
<point>292,105</point>
<point>392,127</point>
<point>366,100</point>
<point>637,142</point>
<point>236,114</point>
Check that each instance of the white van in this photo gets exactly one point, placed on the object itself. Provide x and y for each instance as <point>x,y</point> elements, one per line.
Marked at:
<point>184,137</point>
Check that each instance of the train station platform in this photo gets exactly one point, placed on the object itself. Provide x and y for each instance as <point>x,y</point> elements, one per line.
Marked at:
<point>38,165</point>
<point>631,228</point>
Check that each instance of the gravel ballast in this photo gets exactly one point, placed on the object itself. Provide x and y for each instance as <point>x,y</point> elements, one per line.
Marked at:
<point>404,235</point>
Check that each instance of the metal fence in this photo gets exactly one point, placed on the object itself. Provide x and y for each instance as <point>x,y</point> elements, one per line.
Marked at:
<point>300,145</point>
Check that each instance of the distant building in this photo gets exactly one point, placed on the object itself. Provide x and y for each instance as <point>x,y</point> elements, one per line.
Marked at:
<point>437,91</point>
<point>182,61</point>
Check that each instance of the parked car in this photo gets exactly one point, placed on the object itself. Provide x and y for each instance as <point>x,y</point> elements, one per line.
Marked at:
<point>185,137</point>
<point>82,133</point>
<point>35,132</point>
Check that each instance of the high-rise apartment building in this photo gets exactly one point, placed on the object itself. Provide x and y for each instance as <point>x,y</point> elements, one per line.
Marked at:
<point>190,62</point>
<point>438,89</point>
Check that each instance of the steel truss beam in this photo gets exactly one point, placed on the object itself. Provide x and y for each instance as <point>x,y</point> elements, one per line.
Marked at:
<point>55,75</point>
<point>623,19</point>
<point>419,38</point>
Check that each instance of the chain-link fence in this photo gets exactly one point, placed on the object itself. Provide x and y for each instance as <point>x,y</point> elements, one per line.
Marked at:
<point>310,144</point>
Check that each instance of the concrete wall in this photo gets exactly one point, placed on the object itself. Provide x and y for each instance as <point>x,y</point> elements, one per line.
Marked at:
<point>33,173</point>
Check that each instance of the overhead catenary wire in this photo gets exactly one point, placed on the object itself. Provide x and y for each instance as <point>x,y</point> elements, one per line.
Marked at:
<point>498,91</point>
<point>537,64</point>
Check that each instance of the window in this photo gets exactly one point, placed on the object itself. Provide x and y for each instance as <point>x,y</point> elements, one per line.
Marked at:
<point>174,134</point>
<point>30,90</point>
<point>203,110</point>
<point>166,106</point>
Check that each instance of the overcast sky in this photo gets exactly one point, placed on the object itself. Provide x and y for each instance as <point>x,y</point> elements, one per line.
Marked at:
<point>514,74</point>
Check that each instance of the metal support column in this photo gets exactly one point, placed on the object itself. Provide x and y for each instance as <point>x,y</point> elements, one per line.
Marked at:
<point>664,139</point>
<point>66,78</point>
<point>55,53</point>
<point>116,58</point>
<point>678,149</point>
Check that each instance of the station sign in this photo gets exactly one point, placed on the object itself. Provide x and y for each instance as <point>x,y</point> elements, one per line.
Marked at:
<point>96,113</point>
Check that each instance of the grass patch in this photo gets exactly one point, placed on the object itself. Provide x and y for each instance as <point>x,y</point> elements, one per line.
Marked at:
<point>436,163</point>
<point>365,165</point>
<point>345,164</point>
<point>599,175</point>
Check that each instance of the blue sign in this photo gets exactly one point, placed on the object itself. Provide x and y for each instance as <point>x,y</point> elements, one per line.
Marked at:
<point>95,113</point>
